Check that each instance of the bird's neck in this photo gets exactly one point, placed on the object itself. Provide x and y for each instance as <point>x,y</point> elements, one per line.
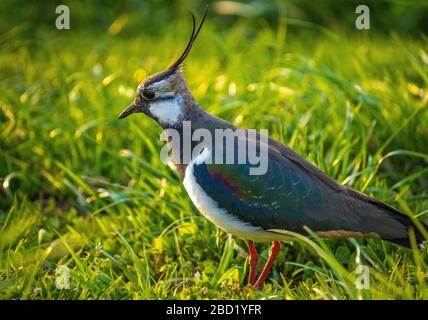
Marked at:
<point>183,138</point>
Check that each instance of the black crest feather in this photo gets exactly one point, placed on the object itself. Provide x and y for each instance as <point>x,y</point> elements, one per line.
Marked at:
<point>191,41</point>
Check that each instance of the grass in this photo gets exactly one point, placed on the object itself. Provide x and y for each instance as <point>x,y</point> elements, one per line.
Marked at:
<point>82,189</point>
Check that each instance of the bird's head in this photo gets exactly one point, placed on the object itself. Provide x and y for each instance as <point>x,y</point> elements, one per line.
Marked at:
<point>164,96</point>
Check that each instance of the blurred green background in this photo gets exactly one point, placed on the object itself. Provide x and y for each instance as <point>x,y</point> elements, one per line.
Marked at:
<point>82,189</point>
<point>403,16</point>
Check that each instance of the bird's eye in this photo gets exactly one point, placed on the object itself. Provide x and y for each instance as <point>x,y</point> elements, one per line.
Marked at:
<point>148,94</point>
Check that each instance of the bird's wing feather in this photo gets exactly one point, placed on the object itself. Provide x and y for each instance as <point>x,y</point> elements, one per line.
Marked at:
<point>293,193</point>
<point>351,193</point>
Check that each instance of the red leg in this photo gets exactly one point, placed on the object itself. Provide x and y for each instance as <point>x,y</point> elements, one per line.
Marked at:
<point>254,257</point>
<point>274,250</point>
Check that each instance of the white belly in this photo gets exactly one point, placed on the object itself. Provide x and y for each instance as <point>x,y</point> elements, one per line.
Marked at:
<point>219,216</point>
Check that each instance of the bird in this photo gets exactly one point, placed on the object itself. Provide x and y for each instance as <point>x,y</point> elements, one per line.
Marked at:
<point>293,195</point>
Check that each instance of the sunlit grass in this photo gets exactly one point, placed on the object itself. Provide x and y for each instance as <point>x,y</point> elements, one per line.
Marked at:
<point>82,189</point>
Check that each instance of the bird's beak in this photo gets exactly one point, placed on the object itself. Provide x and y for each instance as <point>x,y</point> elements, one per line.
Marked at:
<point>129,110</point>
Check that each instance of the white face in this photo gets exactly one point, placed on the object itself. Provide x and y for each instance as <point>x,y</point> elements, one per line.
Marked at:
<point>168,110</point>
<point>165,105</point>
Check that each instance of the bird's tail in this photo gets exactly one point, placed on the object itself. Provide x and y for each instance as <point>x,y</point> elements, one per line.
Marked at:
<point>412,230</point>
<point>395,219</point>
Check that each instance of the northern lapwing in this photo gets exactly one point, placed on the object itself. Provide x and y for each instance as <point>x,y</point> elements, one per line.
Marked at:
<point>292,194</point>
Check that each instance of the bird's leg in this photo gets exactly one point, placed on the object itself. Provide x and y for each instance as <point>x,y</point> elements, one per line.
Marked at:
<point>274,250</point>
<point>254,257</point>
